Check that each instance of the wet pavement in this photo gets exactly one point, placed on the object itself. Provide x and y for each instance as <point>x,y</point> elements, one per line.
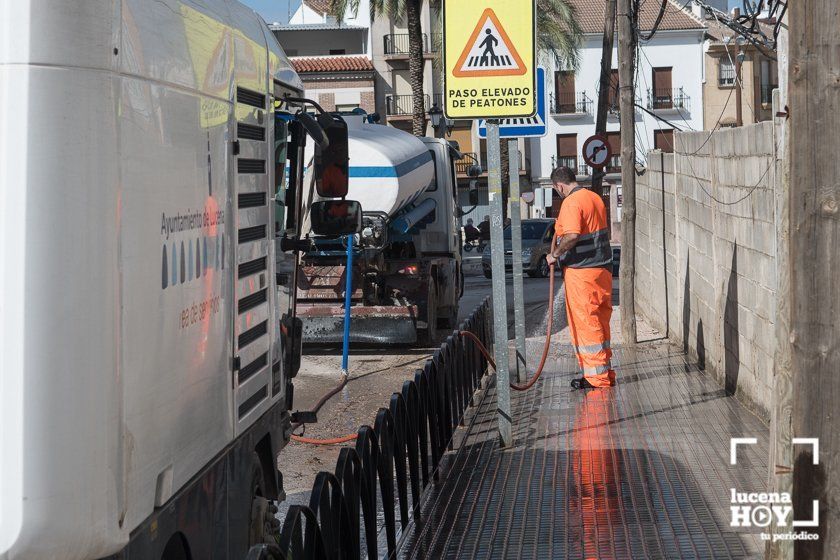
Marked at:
<point>641,470</point>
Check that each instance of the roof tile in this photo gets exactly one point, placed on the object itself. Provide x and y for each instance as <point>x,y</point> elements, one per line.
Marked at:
<point>590,15</point>
<point>304,64</point>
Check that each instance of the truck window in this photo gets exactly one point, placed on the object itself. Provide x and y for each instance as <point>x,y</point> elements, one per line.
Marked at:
<point>434,186</point>
<point>281,146</point>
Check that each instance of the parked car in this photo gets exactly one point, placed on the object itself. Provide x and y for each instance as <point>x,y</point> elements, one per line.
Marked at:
<point>616,251</point>
<point>536,243</point>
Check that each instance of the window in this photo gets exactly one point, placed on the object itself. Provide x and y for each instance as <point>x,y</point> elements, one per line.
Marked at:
<point>338,51</point>
<point>726,72</point>
<point>613,96</point>
<point>664,140</point>
<point>662,92</point>
<point>567,151</point>
<point>346,107</point>
<point>614,140</point>
<point>564,92</point>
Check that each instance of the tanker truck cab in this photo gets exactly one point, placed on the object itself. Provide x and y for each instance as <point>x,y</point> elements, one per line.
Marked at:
<point>147,394</point>
<point>406,274</point>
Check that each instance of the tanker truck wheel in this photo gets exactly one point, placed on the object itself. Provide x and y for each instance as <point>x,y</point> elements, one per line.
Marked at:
<point>428,337</point>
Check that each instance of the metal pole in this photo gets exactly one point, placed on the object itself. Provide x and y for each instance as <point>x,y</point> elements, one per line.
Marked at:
<point>516,248</point>
<point>348,292</point>
<point>497,252</point>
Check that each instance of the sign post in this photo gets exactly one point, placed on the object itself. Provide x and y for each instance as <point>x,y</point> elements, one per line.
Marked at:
<point>516,261</point>
<point>488,53</point>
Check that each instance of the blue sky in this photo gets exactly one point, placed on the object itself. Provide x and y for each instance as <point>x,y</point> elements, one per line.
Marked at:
<point>272,10</point>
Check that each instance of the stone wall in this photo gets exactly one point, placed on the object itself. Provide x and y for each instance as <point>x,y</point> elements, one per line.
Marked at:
<point>705,262</point>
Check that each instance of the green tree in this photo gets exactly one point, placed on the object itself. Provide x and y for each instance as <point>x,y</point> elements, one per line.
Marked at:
<point>410,12</point>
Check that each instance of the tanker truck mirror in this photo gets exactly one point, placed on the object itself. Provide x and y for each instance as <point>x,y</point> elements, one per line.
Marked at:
<point>332,158</point>
<point>334,218</point>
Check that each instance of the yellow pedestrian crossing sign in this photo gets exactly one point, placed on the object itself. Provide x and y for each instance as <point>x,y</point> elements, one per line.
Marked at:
<point>489,57</point>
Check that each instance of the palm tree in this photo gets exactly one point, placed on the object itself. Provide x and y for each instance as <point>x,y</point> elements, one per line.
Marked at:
<point>409,11</point>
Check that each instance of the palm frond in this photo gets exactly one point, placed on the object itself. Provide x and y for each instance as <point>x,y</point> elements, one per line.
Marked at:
<point>559,35</point>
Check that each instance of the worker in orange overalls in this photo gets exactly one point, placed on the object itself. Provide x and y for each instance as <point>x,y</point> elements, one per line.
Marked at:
<point>582,248</point>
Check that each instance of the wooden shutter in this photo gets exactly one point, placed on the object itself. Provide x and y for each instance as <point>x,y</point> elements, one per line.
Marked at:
<point>663,140</point>
<point>614,140</point>
<point>567,151</point>
<point>564,91</point>
<point>662,93</point>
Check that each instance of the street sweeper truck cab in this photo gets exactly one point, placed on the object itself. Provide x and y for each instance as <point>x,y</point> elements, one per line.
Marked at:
<point>149,243</point>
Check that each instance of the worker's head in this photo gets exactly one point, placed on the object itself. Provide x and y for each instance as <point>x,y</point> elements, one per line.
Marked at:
<point>469,221</point>
<point>486,218</point>
<point>563,180</point>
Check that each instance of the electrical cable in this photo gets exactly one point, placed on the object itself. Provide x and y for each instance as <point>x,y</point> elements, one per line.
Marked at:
<point>467,334</point>
<point>656,23</point>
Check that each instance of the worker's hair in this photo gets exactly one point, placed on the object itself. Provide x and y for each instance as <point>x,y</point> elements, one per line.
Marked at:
<point>563,175</point>
<point>469,220</point>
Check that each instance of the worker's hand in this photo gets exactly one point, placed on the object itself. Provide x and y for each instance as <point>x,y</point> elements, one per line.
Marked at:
<point>550,259</point>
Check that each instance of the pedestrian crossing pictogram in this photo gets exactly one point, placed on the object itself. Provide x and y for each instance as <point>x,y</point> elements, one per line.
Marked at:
<point>489,51</point>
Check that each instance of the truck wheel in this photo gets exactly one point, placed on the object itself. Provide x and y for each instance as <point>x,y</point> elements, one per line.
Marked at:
<point>428,337</point>
<point>263,523</point>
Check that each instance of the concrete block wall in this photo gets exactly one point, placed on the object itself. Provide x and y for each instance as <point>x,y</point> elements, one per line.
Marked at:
<point>713,287</point>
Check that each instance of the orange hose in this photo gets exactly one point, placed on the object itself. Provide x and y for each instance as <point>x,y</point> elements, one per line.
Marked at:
<point>481,347</point>
<point>332,441</point>
<point>546,346</point>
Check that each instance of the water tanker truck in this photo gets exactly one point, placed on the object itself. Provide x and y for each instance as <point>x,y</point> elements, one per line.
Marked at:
<point>406,274</point>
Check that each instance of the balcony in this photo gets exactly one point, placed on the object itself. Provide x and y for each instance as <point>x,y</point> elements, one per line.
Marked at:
<point>571,104</point>
<point>402,105</point>
<point>614,164</point>
<point>614,105</point>
<point>668,99</point>
<point>397,45</point>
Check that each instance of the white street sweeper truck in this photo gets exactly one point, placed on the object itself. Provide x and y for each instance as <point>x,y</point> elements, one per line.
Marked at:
<point>149,240</point>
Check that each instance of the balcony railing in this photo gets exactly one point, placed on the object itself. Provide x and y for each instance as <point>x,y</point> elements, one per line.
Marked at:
<point>570,103</point>
<point>564,161</point>
<point>397,44</point>
<point>767,94</point>
<point>462,166</point>
<point>584,170</point>
<point>437,99</point>
<point>668,99</point>
<point>401,105</point>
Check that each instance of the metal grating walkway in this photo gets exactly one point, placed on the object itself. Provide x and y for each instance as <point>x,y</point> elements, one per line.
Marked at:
<point>637,471</point>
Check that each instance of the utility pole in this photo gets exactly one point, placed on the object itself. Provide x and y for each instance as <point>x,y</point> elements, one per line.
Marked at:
<point>781,480</point>
<point>814,207</point>
<point>604,88</point>
<point>627,271</point>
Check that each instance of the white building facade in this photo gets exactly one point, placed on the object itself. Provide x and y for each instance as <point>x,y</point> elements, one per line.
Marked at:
<point>669,87</point>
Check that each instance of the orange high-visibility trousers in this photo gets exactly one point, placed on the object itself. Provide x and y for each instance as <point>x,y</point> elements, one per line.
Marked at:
<point>588,309</point>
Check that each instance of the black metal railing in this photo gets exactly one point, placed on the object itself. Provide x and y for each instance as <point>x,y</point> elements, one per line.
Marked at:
<point>438,100</point>
<point>584,170</point>
<point>462,166</point>
<point>564,103</point>
<point>767,94</point>
<point>668,99</point>
<point>565,161</point>
<point>397,105</point>
<point>398,44</point>
<point>406,442</point>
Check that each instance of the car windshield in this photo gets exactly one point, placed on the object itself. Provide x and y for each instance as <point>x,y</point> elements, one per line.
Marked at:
<point>530,230</point>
